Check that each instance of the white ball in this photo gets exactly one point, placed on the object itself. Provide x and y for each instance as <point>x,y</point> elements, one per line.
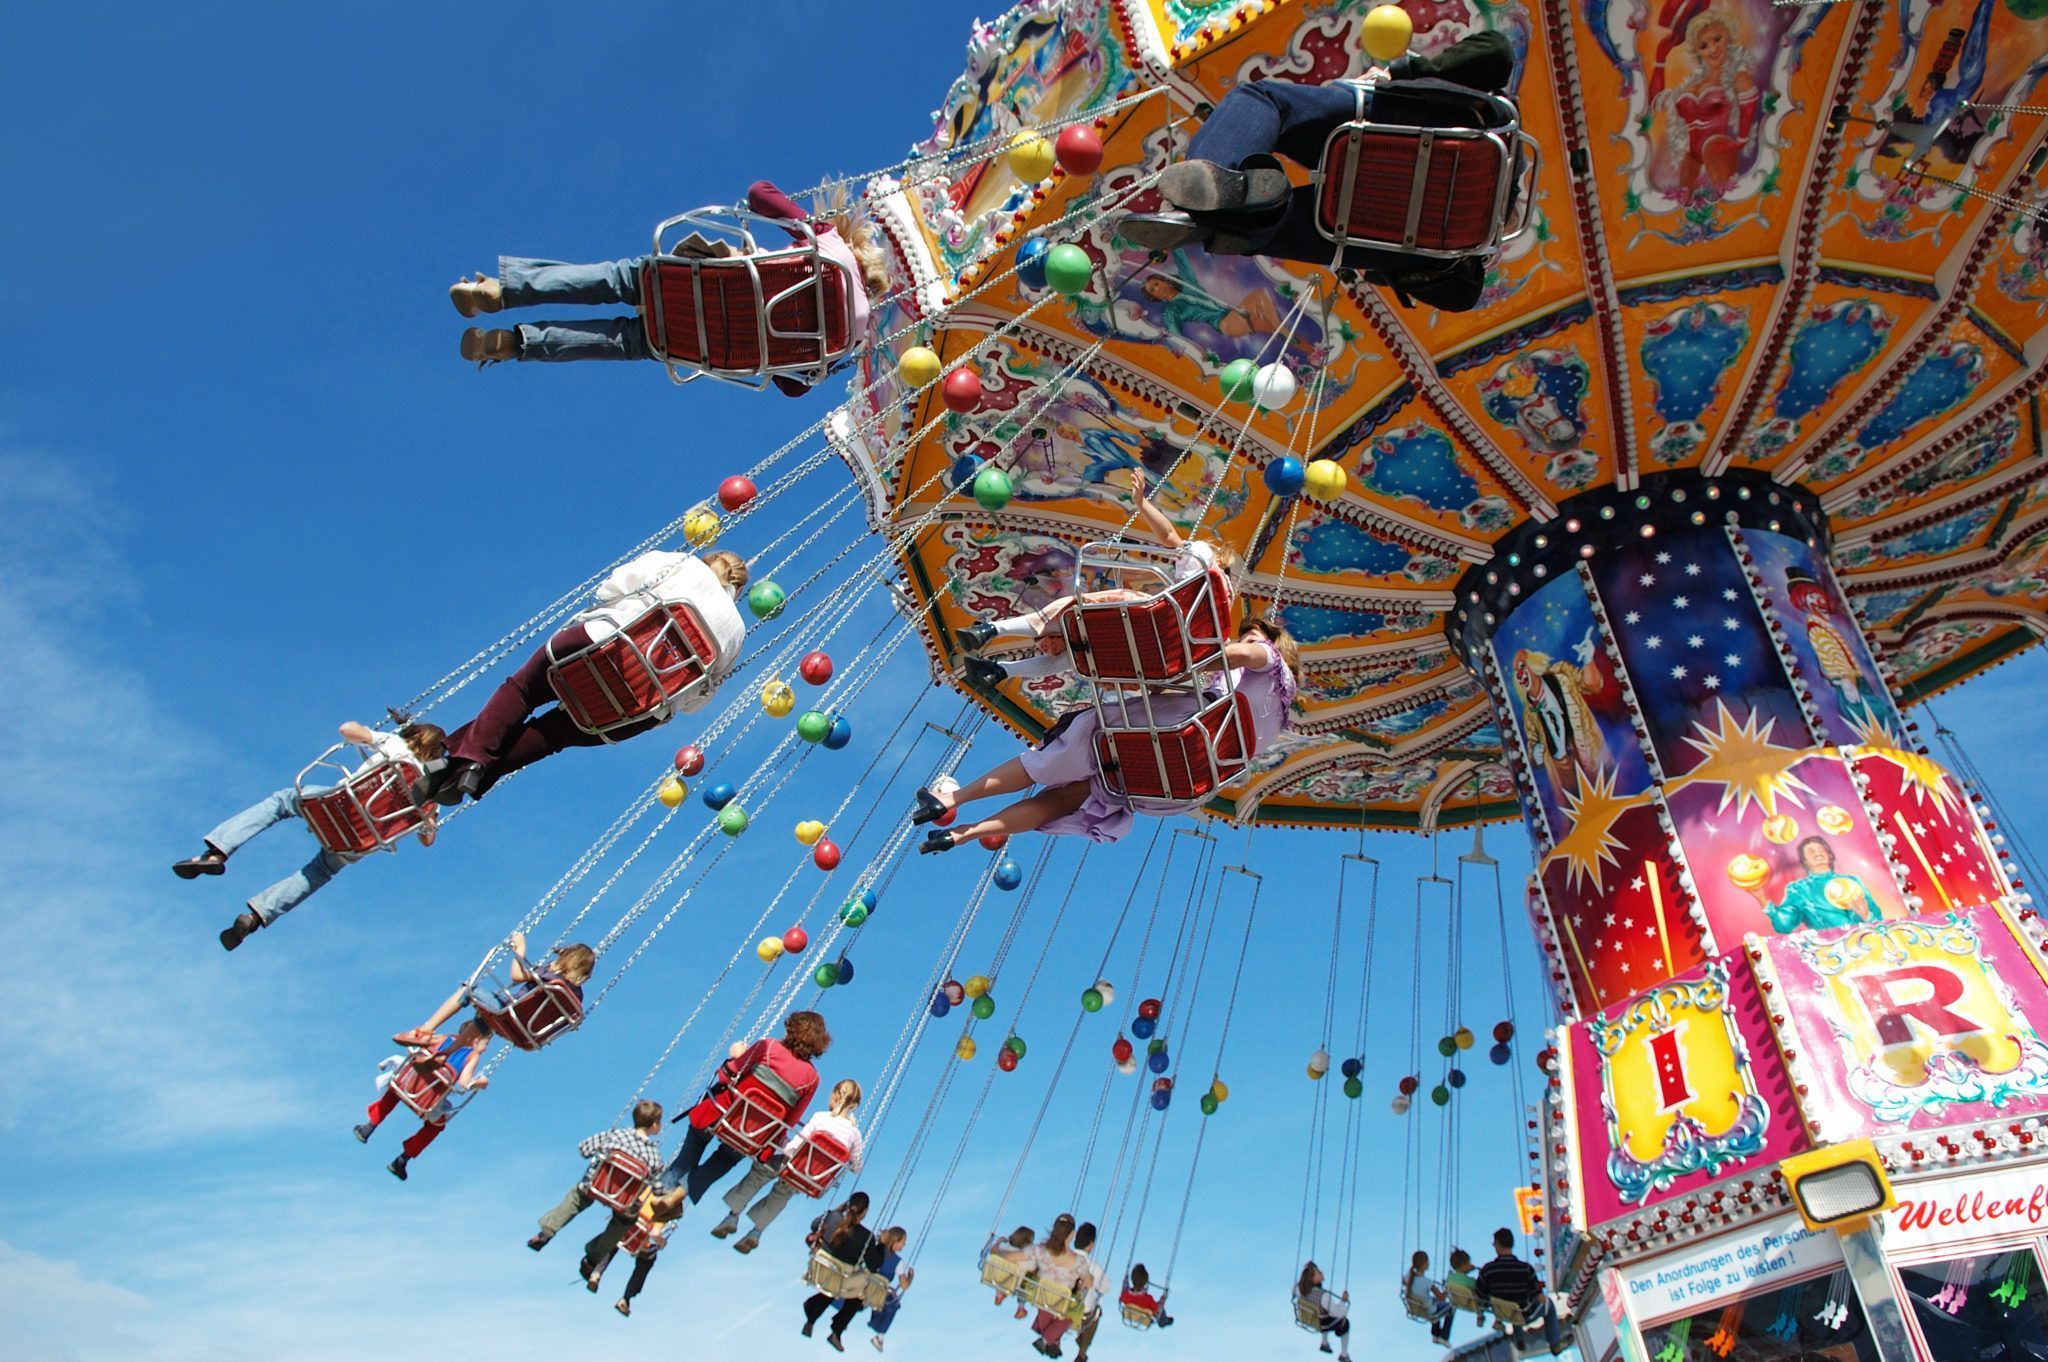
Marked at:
<point>1273,387</point>
<point>1108,993</point>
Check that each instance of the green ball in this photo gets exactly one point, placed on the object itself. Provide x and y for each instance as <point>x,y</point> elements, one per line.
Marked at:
<point>766,599</point>
<point>1015,1045</point>
<point>1440,1095</point>
<point>853,914</point>
<point>992,488</point>
<point>984,1007</point>
<point>1068,269</point>
<point>1236,379</point>
<point>1091,1000</point>
<point>1155,1045</point>
<point>732,820</point>
<point>1208,1104</point>
<point>813,725</point>
<point>1447,1047</point>
<point>1353,1087</point>
<point>825,975</point>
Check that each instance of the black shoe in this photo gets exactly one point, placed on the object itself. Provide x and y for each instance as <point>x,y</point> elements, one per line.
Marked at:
<point>980,671</point>
<point>208,862</point>
<point>975,637</point>
<point>1205,187</point>
<point>397,1166</point>
<point>232,935</point>
<point>928,809</point>
<point>364,1132</point>
<point>938,839</point>
<point>836,1345</point>
<point>539,1242</point>
<point>1167,231</point>
<point>807,1327</point>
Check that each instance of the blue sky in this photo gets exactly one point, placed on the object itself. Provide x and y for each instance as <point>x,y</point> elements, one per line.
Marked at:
<point>250,491</point>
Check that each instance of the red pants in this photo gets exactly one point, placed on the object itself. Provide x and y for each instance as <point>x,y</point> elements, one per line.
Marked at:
<point>1049,1326</point>
<point>416,1143</point>
<point>505,736</point>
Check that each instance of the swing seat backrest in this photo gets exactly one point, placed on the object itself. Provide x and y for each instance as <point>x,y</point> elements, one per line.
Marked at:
<point>1464,1298</point>
<point>846,1281</point>
<point>1138,1317</point>
<point>818,1161</point>
<point>758,1112</point>
<point>1507,1312</point>
<point>638,674</point>
<point>1000,1272</point>
<point>1308,1314</point>
<point>371,809</point>
<point>530,1015</point>
<point>751,315</point>
<point>1415,1308</point>
<point>423,1086</point>
<point>1164,638</point>
<point>638,1237</point>
<point>618,1180</point>
<point>1173,767</point>
<point>1434,170</point>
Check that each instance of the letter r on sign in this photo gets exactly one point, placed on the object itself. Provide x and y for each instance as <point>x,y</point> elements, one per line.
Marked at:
<point>1920,992</point>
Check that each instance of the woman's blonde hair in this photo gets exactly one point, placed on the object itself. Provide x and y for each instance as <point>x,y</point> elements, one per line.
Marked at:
<point>845,1095</point>
<point>835,207</point>
<point>729,568</point>
<point>427,741</point>
<point>575,963</point>
<point>1282,642</point>
<point>1227,559</point>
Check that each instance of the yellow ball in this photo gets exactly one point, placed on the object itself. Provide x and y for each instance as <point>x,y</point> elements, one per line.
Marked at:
<point>964,1048</point>
<point>1218,1091</point>
<point>1031,156</point>
<point>778,699</point>
<point>1385,32</point>
<point>701,526</point>
<point>672,792</point>
<point>809,831</point>
<point>769,949</point>
<point>1326,480</point>
<point>976,985</point>
<point>918,366</point>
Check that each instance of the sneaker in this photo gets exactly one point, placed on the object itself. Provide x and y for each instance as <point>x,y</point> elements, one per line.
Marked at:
<point>364,1132</point>
<point>397,1166</point>
<point>1205,187</point>
<point>1324,1348</point>
<point>747,1243</point>
<point>539,1242</point>
<point>726,1228</point>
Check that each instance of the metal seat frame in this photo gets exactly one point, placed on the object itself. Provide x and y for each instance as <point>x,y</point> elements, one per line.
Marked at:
<point>748,1124</point>
<point>691,651</point>
<point>425,1090</point>
<point>618,1180</point>
<point>813,1178</point>
<point>504,1009</point>
<point>347,801</point>
<point>846,1282</point>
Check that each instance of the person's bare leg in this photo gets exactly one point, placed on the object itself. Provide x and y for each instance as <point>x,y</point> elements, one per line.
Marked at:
<point>1006,779</point>
<point>1028,815</point>
<point>432,1024</point>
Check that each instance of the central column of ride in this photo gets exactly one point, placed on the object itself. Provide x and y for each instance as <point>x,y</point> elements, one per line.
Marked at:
<point>1704,743</point>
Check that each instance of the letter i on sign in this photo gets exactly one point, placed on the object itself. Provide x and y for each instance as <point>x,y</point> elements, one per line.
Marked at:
<point>1668,1059</point>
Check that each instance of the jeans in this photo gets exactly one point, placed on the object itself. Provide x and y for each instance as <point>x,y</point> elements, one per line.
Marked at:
<point>770,1205</point>
<point>526,283</point>
<point>293,890</point>
<point>568,1208</point>
<point>880,1320</point>
<point>695,1172</point>
<point>504,736</point>
<point>1542,1311</point>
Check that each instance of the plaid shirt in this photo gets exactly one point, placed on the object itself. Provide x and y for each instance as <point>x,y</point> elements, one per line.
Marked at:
<point>625,1141</point>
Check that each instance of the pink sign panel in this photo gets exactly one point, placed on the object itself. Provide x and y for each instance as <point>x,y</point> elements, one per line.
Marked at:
<point>1678,1088</point>
<point>1910,1025</point>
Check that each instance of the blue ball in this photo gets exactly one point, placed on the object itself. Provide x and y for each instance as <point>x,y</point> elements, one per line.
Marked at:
<point>940,1007</point>
<point>1157,1061</point>
<point>1285,476</point>
<point>1008,874</point>
<point>1456,1078</point>
<point>845,970</point>
<point>963,473</point>
<point>867,898</point>
<point>1500,1054</point>
<point>1031,262</point>
<point>1143,1027</point>
<point>1351,1068</point>
<point>1160,1100</point>
<point>839,735</point>
<point>719,795</point>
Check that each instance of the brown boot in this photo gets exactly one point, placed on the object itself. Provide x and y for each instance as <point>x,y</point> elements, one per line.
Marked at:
<point>472,296</point>
<point>489,347</point>
<point>242,926</point>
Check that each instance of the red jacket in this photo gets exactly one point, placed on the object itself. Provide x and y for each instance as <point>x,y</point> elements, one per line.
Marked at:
<point>798,1073</point>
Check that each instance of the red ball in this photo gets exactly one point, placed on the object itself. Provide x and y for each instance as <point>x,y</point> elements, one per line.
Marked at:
<point>945,820</point>
<point>1410,1084</point>
<point>1150,1009</point>
<point>1120,1050</point>
<point>1006,1060</point>
<point>1078,150</point>
<point>815,668</point>
<point>689,759</point>
<point>735,492</point>
<point>795,939</point>
<point>825,856</point>
<point>961,390</point>
<point>1504,1032</point>
<point>994,841</point>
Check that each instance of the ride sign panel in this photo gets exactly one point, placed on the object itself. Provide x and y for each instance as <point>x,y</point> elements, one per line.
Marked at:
<point>1770,1253</point>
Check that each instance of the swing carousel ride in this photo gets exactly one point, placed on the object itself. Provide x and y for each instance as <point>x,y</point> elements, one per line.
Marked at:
<point>1738,457</point>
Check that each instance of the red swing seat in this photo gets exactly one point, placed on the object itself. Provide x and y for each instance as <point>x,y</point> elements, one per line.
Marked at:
<point>637,675</point>
<point>639,1237</point>
<point>817,1163</point>
<point>1177,629</point>
<point>355,812</point>
<point>525,1016</point>
<point>750,315</point>
<point>423,1085</point>
<point>759,1112</point>
<point>1439,186</point>
<point>1166,769</point>
<point>618,1180</point>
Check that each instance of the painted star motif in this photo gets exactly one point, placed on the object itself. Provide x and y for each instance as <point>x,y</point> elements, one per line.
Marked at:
<point>1711,681</point>
<point>1695,641</point>
<point>1654,641</point>
<point>1740,757</point>
<point>1590,812</point>
<point>1610,920</point>
<point>1729,593</point>
<point>1730,622</point>
<point>1678,673</point>
<point>1633,617</point>
<point>1732,660</point>
<point>1692,569</point>
<point>1635,884</point>
<point>1663,558</point>
<point>1624,967</point>
<point>1647,579</point>
<point>1681,602</point>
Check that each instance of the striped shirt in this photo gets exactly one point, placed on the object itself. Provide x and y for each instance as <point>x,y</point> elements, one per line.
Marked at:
<point>1512,1280</point>
<point>632,1142</point>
